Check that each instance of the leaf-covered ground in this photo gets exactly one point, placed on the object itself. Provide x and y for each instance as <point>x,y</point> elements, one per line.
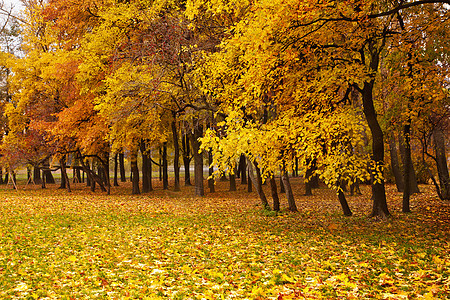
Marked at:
<point>167,245</point>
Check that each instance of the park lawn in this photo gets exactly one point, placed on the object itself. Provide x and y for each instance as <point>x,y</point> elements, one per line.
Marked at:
<point>167,245</point>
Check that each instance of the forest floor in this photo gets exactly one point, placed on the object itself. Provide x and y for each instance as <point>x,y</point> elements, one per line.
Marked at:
<point>173,245</point>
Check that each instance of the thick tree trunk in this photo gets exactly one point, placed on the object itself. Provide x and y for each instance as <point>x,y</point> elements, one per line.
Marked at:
<point>404,145</point>
<point>186,159</point>
<point>275,198</point>
<point>210,173</point>
<point>289,193</point>
<point>122,167</point>
<point>165,168</point>
<point>63,176</point>
<point>407,167</point>
<point>441,162</point>
<point>198,160</point>
<point>257,182</point>
<point>232,182</point>
<point>135,172</point>
<point>176,158</point>
<point>395,163</point>
<point>36,175</point>
<point>116,170</point>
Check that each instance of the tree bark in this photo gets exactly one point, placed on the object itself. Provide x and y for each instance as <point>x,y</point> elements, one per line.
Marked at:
<point>379,208</point>
<point>232,182</point>
<point>249,182</point>
<point>186,159</point>
<point>176,158</point>
<point>395,164</point>
<point>36,175</point>
<point>198,160</point>
<point>64,173</point>
<point>116,170</point>
<point>257,182</point>
<point>407,167</point>
<point>405,146</point>
<point>289,193</point>
<point>146,164</point>
<point>273,189</point>
<point>135,172</point>
<point>165,168</point>
<point>308,178</point>
<point>122,167</point>
<point>63,176</point>
<point>343,201</point>
<point>441,162</point>
<point>210,172</point>
<point>243,169</point>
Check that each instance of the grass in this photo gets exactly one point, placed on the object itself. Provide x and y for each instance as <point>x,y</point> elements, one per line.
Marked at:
<point>167,245</point>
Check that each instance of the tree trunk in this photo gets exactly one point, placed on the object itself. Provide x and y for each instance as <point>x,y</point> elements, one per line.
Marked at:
<point>176,158</point>
<point>93,178</point>
<point>354,188</point>
<point>441,162</point>
<point>344,205</point>
<point>160,164</point>
<point>288,189</point>
<point>135,172</point>
<point>36,175</point>
<point>380,208</point>
<point>165,168</point>
<point>395,164</point>
<point>257,182</point>
<point>232,182</point>
<point>62,162</point>
<point>63,176</point>
<point>243,169</point>
<point>145,166</point>
<point>106,175</point>
<point>273,189</point>
<point>122,167</point>
<point>116,170</point>
<point>308,178</point>
<point>249,182</point>
<point>407,167</point>
<point>210,172</point>
<point>404,145</point>
<point>198,160</point>
<point>186,159</point>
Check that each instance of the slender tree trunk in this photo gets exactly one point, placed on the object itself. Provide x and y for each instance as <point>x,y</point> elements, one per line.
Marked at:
<point>210,172</point>
<point>405,146</point>
<point>93,178</point>
<point>243,169</point>
<point>198,160</point>
<point>122,167</point>
<point>186,159</point>
<point>106,175</point>
<point>63,176</point>
<point>257,182</point>
<point>395,164</point>
<point>273,189</point>
<point>289,193</point>
<point>380,208</point>
<point>343,201</point>
<point>176,158</point>
<point>145,165</point>
<point>441,162</point>
<point>1,175</point>
<point>160,164</point>
<point>116,170</point>
<point>308,178</point>
<point>165,168</point>
<point>135,172</point>
<point>249,182</point>
<point>407,166</point>
<point>354,188</point>
<point>62,162</point>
